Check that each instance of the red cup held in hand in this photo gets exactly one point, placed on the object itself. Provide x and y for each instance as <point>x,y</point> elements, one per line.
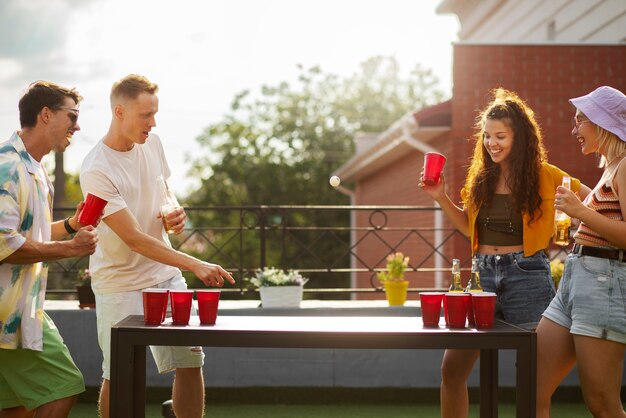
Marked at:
<point>181,306</point>
<point>433,165</point>
<point>154,305</point>
<point>430,303</point>
<point>457,304</point>
<point>208,301</point>
<point>484,305</point>
<point>92,209</point>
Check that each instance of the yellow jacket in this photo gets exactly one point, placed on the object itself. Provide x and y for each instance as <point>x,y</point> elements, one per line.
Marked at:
<point>536,235</point>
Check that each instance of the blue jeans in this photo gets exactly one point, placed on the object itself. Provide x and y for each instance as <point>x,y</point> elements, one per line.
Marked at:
<point>523,285</point>
<point>591,300</point>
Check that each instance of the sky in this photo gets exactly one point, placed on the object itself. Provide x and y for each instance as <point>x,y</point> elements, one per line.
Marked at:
<point>202,53</point>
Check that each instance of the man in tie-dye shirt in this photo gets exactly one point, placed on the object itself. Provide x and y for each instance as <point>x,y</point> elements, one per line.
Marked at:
<point>37,374</point>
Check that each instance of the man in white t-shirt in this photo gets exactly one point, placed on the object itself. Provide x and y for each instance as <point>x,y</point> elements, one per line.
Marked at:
<point>127,168</point>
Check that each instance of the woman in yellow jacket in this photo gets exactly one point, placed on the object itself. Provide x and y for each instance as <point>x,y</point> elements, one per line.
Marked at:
<point>508,214</point>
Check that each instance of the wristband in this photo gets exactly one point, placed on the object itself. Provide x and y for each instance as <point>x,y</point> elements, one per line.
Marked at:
<point>68,227</point>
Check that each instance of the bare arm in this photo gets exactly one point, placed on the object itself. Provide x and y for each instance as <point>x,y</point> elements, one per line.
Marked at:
<point>83,243</point>
<point>610,229</point>
<point>583,192</point>
<point>59,232</point>
<point>124,224</point>
<point>457,215</point>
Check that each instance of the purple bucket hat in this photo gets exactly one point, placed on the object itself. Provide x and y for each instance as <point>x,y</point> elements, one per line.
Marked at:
<point>606,107</point>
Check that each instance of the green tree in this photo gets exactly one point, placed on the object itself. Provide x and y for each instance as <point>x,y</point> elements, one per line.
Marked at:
<point>280,147</point>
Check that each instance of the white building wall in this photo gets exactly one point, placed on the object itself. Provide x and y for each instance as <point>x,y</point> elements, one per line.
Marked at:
<point>539,21</point>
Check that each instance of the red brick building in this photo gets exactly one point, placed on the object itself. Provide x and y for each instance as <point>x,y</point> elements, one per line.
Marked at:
<point>545,75</point>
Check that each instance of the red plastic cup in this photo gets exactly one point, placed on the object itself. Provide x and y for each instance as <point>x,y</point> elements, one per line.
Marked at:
<point>181,306</point>
<point>457,303</point>
<point>92,209</point>
<point>484,304</point>
<point>154,305</point>
<point>433,165</point>
<point>167,298</point>
<point>208,300</point>
<point>470,311</point>
<point>445,310</point>
<point>431,308</point>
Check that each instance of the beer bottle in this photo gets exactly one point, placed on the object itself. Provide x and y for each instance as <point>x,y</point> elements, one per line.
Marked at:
<point>562,221</point>
<point>456,285</point>
<point>474,282</point>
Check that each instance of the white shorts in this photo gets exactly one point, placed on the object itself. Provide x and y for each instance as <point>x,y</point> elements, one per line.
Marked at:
<point>111,308</point>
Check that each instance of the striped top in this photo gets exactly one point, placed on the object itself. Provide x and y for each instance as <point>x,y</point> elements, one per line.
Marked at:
<point>606,202</point>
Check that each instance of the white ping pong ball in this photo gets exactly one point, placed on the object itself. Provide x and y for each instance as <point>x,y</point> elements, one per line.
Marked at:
<point>334,181</point>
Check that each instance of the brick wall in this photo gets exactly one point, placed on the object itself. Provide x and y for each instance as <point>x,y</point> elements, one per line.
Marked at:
<point>546,76</point>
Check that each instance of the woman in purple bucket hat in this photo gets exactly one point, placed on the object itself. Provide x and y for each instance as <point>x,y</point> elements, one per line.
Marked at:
<point>585,324</point>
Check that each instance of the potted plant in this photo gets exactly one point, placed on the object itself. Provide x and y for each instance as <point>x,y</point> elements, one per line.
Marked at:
<point>279,288</point>
<point>393,279</point>
<point>86,298</point>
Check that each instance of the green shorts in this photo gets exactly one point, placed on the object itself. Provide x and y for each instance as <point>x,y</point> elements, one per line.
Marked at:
<point>33,378</point>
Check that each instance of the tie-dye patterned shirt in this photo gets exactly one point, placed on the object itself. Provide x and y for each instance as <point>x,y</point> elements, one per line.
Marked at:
<point>25,212</point>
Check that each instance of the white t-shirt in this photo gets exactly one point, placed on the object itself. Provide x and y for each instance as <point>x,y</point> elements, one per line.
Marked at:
<point>127,180</point>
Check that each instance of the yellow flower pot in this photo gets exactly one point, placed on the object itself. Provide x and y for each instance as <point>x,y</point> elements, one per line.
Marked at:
<point>396,292</point>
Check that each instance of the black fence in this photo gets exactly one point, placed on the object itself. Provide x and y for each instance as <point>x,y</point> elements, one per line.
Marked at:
<point>331,245</point>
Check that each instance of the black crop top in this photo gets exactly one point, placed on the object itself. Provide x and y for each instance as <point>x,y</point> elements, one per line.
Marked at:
<point>499,224</point>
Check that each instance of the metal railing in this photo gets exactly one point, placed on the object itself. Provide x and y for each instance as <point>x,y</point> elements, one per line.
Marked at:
<point>339,248</point>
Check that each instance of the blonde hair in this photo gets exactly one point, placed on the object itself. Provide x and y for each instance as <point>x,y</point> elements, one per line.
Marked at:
<point>131,86</point>
<point>612,145</point>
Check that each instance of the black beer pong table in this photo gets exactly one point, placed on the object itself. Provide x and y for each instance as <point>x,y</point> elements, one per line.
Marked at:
<point>130,337</point>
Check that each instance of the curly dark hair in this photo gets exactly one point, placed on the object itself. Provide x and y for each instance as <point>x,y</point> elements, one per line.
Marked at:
<point>525,159</point>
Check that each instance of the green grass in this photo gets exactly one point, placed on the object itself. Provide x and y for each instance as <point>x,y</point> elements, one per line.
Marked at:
<point>569,410</point>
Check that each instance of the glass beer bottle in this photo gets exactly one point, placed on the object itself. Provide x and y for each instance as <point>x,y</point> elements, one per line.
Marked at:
<point>456,285</point>
<point>169,203</point>
<point>474,282</point>
<point>562,221</point>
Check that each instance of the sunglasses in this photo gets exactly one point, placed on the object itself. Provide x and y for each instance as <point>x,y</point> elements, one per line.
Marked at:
<point>72,113</point>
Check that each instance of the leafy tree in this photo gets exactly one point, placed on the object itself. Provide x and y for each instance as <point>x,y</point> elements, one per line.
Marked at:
<point>280,147</point>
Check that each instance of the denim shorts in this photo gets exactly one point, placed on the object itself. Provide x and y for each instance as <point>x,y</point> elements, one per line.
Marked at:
<point>591,300</point>
<point>113,307</point>
<point>523,285</point>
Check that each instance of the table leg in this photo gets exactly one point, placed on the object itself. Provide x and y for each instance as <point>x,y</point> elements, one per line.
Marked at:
<point>128,378</point>
<point>489,383</point>
<point>526,394</point>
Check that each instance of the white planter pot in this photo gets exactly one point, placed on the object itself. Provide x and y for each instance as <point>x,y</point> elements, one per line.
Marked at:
<point>281,296</point>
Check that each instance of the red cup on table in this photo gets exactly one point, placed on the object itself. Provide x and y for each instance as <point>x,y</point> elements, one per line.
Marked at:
<point>433,165</point>
<point>484,306</point>
<point>208,301</point>
<point>457,303</point>
<point>154,305</point>
<point>180,301</point>
<point>430,303</point>
<point>92,209</point>
<point>470,311</point>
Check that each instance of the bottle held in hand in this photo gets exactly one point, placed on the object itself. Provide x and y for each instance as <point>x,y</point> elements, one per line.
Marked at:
<point>562,222</point>
<point>169,204</point>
